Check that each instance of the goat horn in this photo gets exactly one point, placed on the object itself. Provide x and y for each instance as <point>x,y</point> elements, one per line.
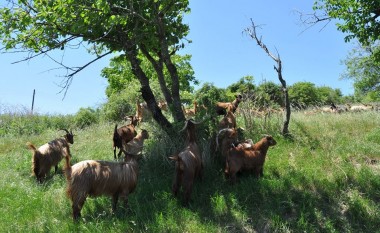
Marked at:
<point>217,136</point>
<point>66,131</point>
<point>184,126</point>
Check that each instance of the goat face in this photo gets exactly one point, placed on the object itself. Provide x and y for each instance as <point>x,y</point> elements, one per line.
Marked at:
<point>270,140</point>
<point>69,136</point>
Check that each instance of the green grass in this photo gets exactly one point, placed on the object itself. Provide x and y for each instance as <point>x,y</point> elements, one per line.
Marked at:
<point>324,178</point>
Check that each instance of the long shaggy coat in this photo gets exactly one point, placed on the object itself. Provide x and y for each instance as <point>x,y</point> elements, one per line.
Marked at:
<point>47,156</point>
<point>95,178</point>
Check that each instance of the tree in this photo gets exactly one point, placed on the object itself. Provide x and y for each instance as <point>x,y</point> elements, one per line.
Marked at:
<point>130,28</point>
<point>270,92</point>
<point>303,95</point>
<point>244,86</point>
<point>358,18</point>
<point>328,95</point>
<point>364,69</point>
<point>252,33</point>
<point>120,77</point>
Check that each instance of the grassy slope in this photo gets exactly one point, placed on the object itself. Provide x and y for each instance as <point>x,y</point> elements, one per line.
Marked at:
<point>326,178</point>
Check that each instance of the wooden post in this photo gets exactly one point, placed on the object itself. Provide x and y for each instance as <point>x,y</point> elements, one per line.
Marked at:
<point>34,93</point>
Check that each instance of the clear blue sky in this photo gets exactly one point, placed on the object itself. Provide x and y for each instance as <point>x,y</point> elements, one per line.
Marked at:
<point>221,54</point>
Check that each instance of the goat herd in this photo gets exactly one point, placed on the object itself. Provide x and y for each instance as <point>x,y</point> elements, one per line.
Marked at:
<point>119,178</point>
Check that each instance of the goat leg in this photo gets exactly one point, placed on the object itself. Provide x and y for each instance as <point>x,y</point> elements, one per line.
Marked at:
<point>55,169</point>
<point>115,198</point>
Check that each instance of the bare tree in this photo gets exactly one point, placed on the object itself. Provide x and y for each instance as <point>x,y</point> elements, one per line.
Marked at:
<point>251,31</point>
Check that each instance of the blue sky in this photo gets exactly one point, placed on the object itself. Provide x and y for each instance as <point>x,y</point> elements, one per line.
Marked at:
<point>221,54</point>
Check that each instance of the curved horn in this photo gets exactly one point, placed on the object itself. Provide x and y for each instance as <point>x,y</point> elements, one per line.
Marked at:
<point>217,136</point>
<point>184,126</point>
<point>66,131</point>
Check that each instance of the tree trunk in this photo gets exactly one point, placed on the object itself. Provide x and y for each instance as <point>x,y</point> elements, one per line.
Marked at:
<point>146,91</point>
<point>177,106</point>
<point>285,127</point>
<point>158,67</point>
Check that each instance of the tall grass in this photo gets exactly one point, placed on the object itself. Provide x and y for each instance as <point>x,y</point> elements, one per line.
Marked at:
<point>325,178</point>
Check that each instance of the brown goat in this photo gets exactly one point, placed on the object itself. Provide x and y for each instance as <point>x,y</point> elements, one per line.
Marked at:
<point>189,112</point>
<point>123,135</point>
<point>227,136</point>
<point>95,178</point>
<point>241,158</point>
<point>135,146</point>
<point>188,164</point>
<point>221,107</point>
<point>50,154</point>
<point>228,121</point>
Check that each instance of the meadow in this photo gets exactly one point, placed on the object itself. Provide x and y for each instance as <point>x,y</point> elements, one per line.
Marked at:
<point>325,177</point>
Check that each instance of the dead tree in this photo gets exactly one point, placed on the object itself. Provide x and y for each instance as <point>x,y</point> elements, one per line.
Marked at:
<point>252,33</point>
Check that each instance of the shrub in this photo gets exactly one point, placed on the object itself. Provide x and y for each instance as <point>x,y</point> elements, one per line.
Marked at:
<point>85,117</point>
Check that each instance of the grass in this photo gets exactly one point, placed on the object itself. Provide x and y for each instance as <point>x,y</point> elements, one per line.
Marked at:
<point>325,178</point>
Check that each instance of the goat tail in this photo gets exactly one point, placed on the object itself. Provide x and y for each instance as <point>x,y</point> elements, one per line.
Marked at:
<point>67,168</point>
<point>31,146</point>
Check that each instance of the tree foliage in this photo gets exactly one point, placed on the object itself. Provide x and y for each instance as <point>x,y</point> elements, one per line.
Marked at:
<point>364,70</point>
<point>358,18</point>
<point>130,27</point>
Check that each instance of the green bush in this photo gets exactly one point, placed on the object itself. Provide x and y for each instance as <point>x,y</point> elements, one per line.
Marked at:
<point>86,117</point>
<point>118,106</point>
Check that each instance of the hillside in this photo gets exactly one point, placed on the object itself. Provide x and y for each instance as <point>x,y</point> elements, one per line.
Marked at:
<point>325,178</point>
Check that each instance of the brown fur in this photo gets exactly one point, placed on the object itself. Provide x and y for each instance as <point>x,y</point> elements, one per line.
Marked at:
<point>188,165</point>
<point>121,136</point>
<point>240,158</point>
<point>49,155</point>
<point>95,178</point>
<point>221,107</point>
<point>189,112</point>
<point>228,121</point>
<point>135,146</point>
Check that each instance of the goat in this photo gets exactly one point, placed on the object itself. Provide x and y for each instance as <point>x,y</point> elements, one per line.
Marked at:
<point>332,109</point>
<point>363,107</point>
<point>221,107</point>
<point>123,135</point>
<point>230,136</point>
<point>252,158</point>
<point>228,121</point>
<point>95,178</point>
<point>188,163</point>
<point>163,105</point>
<point>135,146</point>
<point>189,112</point>
<point>50,154</point>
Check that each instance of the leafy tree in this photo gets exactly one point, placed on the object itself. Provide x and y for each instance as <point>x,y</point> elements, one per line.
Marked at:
<point>209,94</point>
<point>364,69</point>
<point>303,95</point>
<point>328,95</point>
<point>121,78</point>
<point>244,86</point>
<point>130,28</point>
<point>269,93</point>
<point>358,18</point>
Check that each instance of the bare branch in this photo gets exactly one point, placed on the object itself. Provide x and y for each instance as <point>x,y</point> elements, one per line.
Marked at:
<point>69,77</point>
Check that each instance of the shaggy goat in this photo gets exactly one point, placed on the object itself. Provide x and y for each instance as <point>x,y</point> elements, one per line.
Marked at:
<point>135,146</point>
<point>188,163</point>
<point>123,135</point>
<point>221,107</point>
<point>252,158</point>
<point>50,154</point>
<point>95,178</point>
